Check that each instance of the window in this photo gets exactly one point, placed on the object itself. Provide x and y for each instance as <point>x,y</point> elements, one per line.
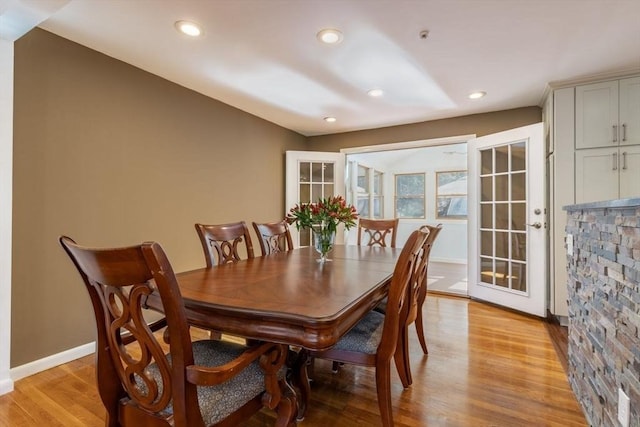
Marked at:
<point>410,200</point>
<point>369,193</point>
<point>377,195</point>
<point>451,195</point>
<point>363,191</point>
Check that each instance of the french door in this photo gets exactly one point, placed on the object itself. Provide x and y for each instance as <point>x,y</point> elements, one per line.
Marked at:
<point>309,176</point>
<point>507,219</point>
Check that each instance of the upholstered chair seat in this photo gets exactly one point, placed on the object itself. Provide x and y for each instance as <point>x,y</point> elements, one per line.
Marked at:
<point>219,401</point>
<point>365,337</point>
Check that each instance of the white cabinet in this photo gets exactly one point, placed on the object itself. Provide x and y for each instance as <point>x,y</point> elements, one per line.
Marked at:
<point>608,113</point>
<point>607,140</point>
<point>561,193</point>
<point>597,176</point>
<point>630,111</point>
<point>629,172</point>
<point>582,152</point>
<point>607,173</point>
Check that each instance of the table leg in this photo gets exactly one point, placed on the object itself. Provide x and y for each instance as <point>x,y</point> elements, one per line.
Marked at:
<point>300,380</point>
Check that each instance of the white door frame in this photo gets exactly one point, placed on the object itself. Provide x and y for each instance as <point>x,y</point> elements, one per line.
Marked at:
<point>6,192</point>
<point>425,143</point>
<point>459,139</point>
<point>292,175</point>
<point>534,300</point>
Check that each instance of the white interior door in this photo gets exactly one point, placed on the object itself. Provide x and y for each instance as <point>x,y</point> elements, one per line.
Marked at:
<point>309,176</point>
<point>507,219</point>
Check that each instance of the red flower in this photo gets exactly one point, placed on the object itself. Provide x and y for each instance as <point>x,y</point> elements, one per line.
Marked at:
<point>329,211</point>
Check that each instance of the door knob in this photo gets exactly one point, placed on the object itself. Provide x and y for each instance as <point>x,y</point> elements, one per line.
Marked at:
<point>535,225</point>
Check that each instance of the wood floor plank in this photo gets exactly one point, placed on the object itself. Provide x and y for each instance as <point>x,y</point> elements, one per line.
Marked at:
<point>486,367</point>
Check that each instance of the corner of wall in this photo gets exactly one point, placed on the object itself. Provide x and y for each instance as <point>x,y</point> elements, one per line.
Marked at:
<point>6,172</point>
<point>52,361</point>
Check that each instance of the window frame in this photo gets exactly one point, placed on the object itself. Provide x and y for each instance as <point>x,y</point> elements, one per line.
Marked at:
<point>377,194</point>
<point>370,195</point>
<point>439,195</point>
<point>412,196</point>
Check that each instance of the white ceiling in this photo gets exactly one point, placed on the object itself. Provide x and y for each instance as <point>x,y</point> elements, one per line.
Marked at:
<point>262,56</point>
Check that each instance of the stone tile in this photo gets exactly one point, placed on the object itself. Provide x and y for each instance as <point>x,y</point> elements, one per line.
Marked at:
<point>604,310</point>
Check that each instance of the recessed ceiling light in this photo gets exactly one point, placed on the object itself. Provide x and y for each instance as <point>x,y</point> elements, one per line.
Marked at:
<point>477,95</point>
<point>329,36</point>
<point>330,119</point>
<point>189,28</point>
<point>374,93</point>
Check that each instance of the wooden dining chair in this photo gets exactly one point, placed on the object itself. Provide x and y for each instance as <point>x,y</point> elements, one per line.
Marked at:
<point>373,340</point>
<point>423,280</point>
<point>220,243</point>
<point>195,384</point>
<point>417,296</point>
<point>273,237</point>
<point>374,232</point>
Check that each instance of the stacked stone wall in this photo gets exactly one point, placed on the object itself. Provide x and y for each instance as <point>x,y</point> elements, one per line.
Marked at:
<point>604,310</point>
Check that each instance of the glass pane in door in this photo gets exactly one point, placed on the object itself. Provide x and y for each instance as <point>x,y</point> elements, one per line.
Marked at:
<point>327,172</point>
<point>503,208</point>
<point>305,172</point>
<point>486,215</point>
<point>316,181</point>
<point>518,216</point>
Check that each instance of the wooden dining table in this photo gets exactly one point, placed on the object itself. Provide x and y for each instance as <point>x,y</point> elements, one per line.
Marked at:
<point>289,297</point>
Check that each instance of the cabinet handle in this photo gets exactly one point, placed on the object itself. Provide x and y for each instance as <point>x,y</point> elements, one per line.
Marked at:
<point>624,160</point>
<point>624,132</point>
<point>615,133</point>
<point>615,161</point>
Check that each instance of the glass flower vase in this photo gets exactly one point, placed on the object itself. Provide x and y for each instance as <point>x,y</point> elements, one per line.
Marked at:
<point>323,239</point>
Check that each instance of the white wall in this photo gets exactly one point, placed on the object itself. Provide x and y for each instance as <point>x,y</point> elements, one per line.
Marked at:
<point>6,171</point>
<point>451,245</point>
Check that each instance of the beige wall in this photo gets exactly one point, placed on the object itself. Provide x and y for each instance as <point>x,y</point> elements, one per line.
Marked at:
<point>479,124</point>
<point>112,155</point>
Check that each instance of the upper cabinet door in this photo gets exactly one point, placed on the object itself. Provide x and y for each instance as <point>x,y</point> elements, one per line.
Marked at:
<point>629,172</point>
<point>597,115</point>
<point>630,111</point>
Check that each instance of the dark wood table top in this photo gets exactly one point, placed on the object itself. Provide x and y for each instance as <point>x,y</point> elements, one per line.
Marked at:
<point>289,297</point>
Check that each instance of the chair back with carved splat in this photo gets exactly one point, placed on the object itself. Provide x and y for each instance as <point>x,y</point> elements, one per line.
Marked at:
<point>374,232</point>
<point>196,383</point>
<point>220,243</point>
<point>416,314</point>
<point>417,296</point>
<point>273,236</point>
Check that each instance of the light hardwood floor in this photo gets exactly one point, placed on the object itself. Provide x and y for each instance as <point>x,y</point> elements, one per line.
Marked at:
<point>448,278</point>
<point>486,367</point>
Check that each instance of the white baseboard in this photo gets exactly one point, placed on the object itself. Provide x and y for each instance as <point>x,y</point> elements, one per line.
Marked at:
<point>54,360</point>
<point>6,386</point>
<point>449,260</point>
